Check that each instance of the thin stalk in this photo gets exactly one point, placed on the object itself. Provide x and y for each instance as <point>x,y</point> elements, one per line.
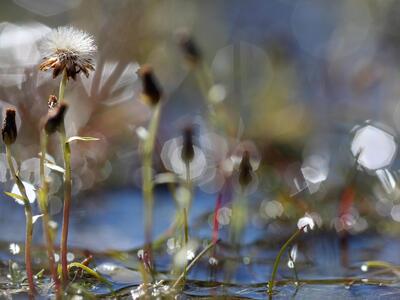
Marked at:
<point>67,187</point>
<point>189,184</point>
<point>192,263</point>
<point>278,259</point>
<point>29,222</point>
<point>148,184</point>
<point>239,217</point>
<point>185,236</point>
<point>43,204</point>
<point>205,82</point>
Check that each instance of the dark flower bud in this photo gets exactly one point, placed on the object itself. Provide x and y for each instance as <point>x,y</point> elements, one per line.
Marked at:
<point>151,88</point>
<point>55,117</point>
<point>245,170</point>
<point>187,153</point>
<point>189,48</point>
<point>52,102</point>
<point>9,130</point>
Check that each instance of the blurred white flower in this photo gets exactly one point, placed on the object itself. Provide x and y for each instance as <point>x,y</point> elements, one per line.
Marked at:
<point>306,223</point>
<point>292,257</point>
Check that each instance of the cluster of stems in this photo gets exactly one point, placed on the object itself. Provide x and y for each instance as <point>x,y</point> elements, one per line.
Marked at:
<point>43,205</point>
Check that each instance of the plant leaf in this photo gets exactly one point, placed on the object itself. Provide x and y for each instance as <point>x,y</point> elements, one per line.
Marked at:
<point>165,178</point>
<point>15,196</point>
<point>54,167</point>
<point>82,138</point>
<point>35,218</point>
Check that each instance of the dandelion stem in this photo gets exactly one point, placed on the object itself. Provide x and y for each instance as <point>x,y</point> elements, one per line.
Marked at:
<point>148,185</point>
<point>63,84</point>
<point>67,187</point>
<point>43,204</point>
<point>29,222</point>
<point>278,258</point>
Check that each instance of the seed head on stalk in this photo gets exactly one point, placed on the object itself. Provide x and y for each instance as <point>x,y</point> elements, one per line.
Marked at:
<point>9,129</point>
<point>69,49</point>
<point>245,170</point>
<point>187,153</point>
<point>151,90</point>
<point>55,117</point>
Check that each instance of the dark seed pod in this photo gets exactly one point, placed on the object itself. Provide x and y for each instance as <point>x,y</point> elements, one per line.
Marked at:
<point>55,117</point>
<point>189,48</point>
<point>187,153</point>
<point>151,88</point>
<point>9,130</point>
<point>245,170</point>
<point>52,102</point>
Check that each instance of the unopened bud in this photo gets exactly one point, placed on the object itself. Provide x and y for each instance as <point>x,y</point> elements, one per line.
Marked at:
<point>189,48</point>
<point>245,170</point>
<point>55,118</point>
<point>52,102</point>
<point>187,153</point>
<point>151,88</point>
<point>9,130</point>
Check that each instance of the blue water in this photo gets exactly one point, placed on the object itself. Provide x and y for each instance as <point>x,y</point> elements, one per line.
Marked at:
<point>113,220</point>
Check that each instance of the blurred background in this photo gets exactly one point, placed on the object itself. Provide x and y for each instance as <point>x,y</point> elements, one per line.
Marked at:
<point>312,88</point>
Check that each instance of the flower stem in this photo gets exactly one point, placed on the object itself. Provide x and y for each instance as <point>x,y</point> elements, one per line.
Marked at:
<point>193,262</point>
<point>278,259</point>
<point>29,222</point>
<point>239,218</point>
<point>43,204</point>
<point>148,185</point>
<point>67,187</point>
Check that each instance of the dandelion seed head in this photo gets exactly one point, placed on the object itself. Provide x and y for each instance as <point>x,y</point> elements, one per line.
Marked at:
<point>70,49</point>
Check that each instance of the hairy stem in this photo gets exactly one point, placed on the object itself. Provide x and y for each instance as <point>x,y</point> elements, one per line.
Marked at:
<point>28,219</point>
<point>43,204</point>
<point>67,187</point>
<point>148,184</point>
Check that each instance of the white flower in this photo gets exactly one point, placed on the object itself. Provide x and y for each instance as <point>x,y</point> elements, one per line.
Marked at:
<point>70,49</point>
<point>306,223</point>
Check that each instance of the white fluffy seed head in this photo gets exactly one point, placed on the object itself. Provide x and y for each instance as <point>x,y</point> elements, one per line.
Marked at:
<point>68,49</point>
<point>71,40</point>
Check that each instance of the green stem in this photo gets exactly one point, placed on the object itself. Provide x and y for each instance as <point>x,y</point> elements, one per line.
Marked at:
<point>29,222</point>
<point>63,84</point>
<point>67,187</point>
<point>185,237</point>
<point>192,263</point>
<point>278,259</point>
<point>148,185</point>
<point>43,204</point>
<point>239,217</point>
